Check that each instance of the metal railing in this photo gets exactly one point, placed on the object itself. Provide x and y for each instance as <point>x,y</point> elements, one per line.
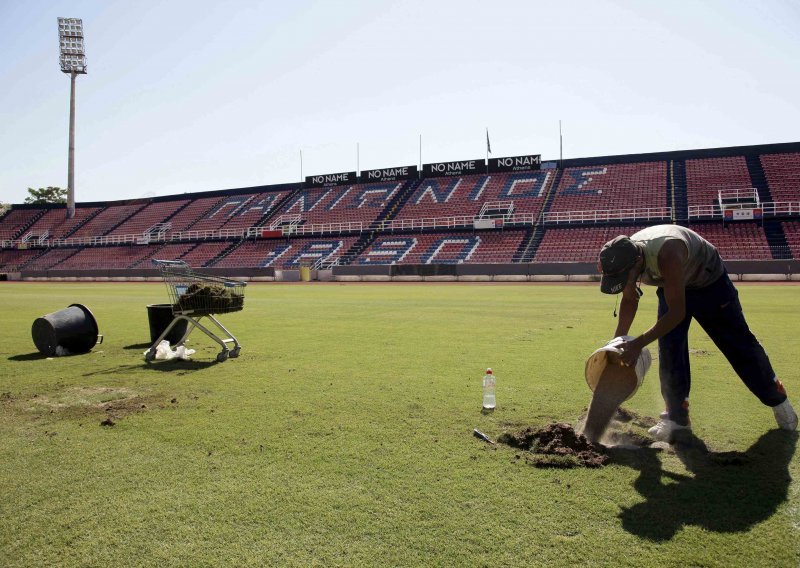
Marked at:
<point>768,209</point>
<point>639,214</point>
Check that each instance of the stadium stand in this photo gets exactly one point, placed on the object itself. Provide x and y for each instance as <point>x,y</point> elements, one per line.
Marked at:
<point>792,231</point>
<point>166,252</point>
<point>12,260</point>
<point>638,186</point>
<point>287,253</point>
<point>783,175</point>
<point>197,209</point>
<point>56,225</point>
<point>14,223</point>
<point>149,216</point>
<point>560,214</point>
<point>108,219</point>
<point>203,253</point>
<point>736,241</point>
<point>443,248</point>
<point>356,204</point>
<point>466,196</point>
<point>578,244</point>
<point>239,212</point>
<point>94,258</point>
<point>705,178</point>
<point>50,258</point>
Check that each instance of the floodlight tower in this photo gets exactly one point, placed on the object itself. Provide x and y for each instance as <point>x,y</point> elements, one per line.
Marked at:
<point>73,61</point>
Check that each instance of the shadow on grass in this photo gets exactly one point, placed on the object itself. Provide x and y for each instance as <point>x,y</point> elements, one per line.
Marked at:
<point>179,366</point>
<point>28,357</point>
<point>138,346</point>
<point>727,493</point>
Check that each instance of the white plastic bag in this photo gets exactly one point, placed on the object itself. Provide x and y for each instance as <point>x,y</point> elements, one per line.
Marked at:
<point>164,352</point>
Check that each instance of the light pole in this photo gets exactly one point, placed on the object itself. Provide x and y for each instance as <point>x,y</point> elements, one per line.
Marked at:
<point>73,61</point>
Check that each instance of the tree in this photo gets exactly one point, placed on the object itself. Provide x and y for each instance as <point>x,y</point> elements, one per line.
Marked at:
<point>47,194</point>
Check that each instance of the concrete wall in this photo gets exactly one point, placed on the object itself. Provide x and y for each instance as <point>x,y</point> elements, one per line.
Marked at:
<point>752,270</point>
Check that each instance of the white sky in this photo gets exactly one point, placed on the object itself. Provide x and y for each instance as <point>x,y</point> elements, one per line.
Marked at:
<point>199,95</point>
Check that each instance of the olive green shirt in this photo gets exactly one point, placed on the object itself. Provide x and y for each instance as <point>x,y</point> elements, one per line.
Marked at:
<point>702,266</point>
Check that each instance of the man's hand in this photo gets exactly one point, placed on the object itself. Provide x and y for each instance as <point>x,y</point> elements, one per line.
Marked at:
<point>630,351</point>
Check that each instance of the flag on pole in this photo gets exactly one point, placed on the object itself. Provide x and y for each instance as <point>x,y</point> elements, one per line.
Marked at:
<point>488,145</point>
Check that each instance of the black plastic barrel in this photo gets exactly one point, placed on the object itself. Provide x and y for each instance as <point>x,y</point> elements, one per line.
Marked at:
<point>73,328</point>
<point>159,316</point>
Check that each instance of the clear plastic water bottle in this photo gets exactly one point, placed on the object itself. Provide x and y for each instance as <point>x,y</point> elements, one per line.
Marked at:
<point>488,390</point>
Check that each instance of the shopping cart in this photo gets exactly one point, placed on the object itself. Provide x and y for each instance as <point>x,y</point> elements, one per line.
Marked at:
<point>195,296</point>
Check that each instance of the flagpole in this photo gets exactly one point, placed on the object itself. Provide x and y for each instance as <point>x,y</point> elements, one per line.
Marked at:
<point>358,159</point>
<point>420,152</point>
<point>301,165</point>
<point>560,147</point>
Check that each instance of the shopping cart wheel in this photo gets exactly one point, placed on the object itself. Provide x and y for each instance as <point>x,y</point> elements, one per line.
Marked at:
<point>222,356</point>
<point>150,355</point>
<point>235,352</point>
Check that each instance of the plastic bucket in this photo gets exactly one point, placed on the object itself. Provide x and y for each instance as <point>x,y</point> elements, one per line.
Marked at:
<point>604,364</point>
<point>73,328</point>
<point>305,274</point>
<point>159,316</point>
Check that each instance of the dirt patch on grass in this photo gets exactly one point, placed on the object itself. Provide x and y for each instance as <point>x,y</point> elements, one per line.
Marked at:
<point>84,402</point>
<point>556,445</point>
<point>562,446</point>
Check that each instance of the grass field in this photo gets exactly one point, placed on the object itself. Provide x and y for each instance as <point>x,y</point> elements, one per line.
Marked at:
<point>342,436</point>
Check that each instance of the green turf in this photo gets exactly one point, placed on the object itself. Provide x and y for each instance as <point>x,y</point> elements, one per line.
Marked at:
<point>342,436</point>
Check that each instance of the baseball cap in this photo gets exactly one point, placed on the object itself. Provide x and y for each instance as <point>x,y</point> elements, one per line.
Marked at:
<point>617,257</point>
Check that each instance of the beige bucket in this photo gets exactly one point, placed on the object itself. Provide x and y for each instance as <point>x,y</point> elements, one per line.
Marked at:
<point>605,363</point>
<point>305,274</point>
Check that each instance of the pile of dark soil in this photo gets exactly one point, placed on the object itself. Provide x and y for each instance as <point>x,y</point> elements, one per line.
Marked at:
<point>211,298</point>
<point>556,445</point>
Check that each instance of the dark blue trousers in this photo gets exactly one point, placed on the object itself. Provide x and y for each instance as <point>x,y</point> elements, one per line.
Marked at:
<point>718,311</point>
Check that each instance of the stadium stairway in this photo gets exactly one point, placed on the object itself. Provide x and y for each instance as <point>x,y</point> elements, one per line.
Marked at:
<point>29,224</point>
<point>758,178</point>
<point>135,212</point>
<point>44,252</point>
<point>202,214</point>
<point>530,244</point>
<point>224,253</point>
<point>776,238</point>
<point>82,223</point>
<point>527,241</point>
<point>676,187</point>
<point>178,210</point>
<point>278,207</point>
<point>358,247</point>
<point>393,207</point>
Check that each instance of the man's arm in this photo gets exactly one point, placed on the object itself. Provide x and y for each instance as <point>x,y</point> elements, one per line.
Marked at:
<point>670,262</point>
<point>627,308</point>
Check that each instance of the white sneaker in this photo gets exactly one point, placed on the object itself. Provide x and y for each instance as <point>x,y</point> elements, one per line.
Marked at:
<point>665,430</point>
<point>785,415</point>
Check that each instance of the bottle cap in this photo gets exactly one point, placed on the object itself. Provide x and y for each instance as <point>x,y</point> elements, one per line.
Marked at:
<point>489,371</point>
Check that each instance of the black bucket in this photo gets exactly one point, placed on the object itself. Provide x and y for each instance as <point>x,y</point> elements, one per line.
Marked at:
<point>159,316</point>
<point>73,328</point>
